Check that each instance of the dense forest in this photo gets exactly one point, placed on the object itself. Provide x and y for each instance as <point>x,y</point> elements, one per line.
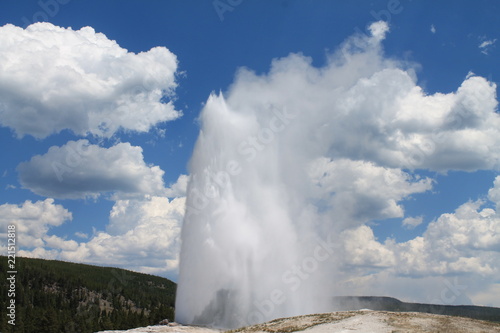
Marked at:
<point>54,296</point>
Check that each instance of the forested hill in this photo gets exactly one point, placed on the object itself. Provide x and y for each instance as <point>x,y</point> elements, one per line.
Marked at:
<point>55,296</point>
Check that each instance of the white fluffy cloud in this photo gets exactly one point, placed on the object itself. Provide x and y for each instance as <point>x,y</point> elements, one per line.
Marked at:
<point>363,250</point>
<point>457,248</point>
<point>142,235</point>
<point>179,188</point>
<point>57,78</point>
<point>32,220</point>
<point>464,242</point>
<point>150,243</point>
<point>359,191</point>
<point>361,106</point>
<point>379,30</point>
<point>412,222</point>
<point>79,170</point>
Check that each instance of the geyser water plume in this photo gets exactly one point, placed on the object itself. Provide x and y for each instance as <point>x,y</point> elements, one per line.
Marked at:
<point>258,239</point>
<point>242,235</point>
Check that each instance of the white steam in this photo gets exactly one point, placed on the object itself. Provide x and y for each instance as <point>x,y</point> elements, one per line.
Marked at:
<point>287,161</point>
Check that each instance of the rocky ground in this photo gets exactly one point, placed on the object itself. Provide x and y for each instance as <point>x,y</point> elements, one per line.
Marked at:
<point>349,321</point>
<point>173,327</point>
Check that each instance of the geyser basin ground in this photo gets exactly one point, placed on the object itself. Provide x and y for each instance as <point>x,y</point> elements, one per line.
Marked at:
<point>352,321</point>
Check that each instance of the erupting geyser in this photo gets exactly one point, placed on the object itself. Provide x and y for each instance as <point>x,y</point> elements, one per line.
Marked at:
<point>258,239</point>
<point>247,221</point>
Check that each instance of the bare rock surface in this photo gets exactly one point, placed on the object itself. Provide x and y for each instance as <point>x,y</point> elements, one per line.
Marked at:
<point>348,321</point>
<point>171,328</point>
<point>374,322</point>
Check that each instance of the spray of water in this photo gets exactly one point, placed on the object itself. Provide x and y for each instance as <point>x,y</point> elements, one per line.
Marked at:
<point>258,239</point>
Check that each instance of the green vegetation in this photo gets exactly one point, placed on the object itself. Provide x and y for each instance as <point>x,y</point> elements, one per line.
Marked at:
<point>55,296</point>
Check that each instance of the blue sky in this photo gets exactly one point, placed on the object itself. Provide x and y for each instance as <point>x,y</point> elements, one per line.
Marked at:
<point>94,215</point>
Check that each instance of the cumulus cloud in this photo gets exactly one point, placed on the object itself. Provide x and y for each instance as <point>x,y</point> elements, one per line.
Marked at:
<point>464,242</point>
<point>32,220</point>
<point>379,30</point>
<point>56,78</point>
<point>360,191</point>
<point>56,242</point>
<point>494,193</point>
<point>80,170</point>
<point>412,222</point>
<point>362,106</point>
<point>457,249</point>
<point>179,188</point>
<point>142,235</point>
<point>364,250</point>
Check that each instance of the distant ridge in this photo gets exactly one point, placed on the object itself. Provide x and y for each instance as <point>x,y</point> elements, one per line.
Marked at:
<point>380,303</point>
<point>55,296</point>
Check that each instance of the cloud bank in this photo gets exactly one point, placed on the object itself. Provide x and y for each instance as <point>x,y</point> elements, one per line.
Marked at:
<point>462,246</point>
<point>142,235</point>
<point>57,78</point>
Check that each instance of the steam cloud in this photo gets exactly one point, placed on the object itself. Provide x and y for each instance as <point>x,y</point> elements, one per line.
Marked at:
<point>289,160</point>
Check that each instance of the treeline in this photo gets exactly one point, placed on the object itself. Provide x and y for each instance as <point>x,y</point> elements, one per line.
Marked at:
<point>54,296</point>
